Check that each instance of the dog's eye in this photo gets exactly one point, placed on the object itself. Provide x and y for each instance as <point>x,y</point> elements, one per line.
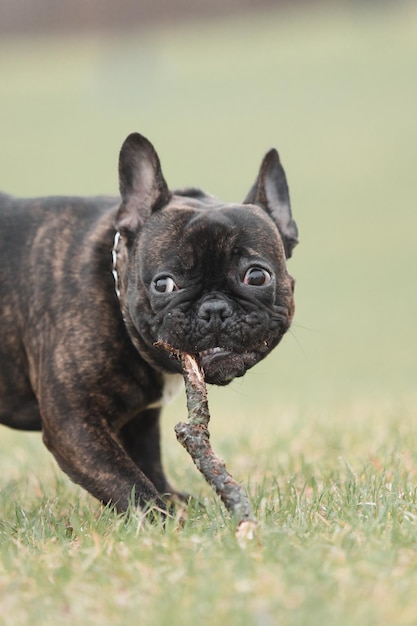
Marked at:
<point>164,284</point>
<point>257,277</point>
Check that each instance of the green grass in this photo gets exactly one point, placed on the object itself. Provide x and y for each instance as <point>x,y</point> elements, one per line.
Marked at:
<point>337,541</point>
<point>324,432</point>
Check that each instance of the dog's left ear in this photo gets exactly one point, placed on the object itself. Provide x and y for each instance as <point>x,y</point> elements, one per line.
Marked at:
<point>142,184</point>
<point>270,192</point>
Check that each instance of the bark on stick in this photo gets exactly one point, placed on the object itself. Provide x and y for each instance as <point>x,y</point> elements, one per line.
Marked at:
<point>195,438</point>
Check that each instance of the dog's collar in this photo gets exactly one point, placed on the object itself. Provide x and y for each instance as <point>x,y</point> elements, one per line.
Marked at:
<point>114,263</point>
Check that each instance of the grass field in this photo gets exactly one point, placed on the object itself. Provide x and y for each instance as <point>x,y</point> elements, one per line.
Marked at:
<point>324,432</point>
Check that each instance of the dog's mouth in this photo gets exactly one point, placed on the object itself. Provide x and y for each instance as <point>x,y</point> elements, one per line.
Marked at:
<point>221,366</point>
<point>213,353</point>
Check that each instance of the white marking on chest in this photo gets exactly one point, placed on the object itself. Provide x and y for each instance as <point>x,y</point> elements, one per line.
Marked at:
<point>173,385</point>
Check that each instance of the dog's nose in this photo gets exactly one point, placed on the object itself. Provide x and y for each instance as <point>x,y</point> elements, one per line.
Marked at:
<point>214,307</point>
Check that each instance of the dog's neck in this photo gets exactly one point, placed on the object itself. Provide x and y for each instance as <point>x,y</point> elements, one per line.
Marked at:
<point>171,383</point>
<point>119,256</point>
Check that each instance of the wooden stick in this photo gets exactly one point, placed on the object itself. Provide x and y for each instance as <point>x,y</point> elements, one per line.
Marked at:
<point>194,436</point>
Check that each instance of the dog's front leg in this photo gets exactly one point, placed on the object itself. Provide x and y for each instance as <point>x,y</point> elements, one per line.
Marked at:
<point>93,458</point>
<point>140,438</point>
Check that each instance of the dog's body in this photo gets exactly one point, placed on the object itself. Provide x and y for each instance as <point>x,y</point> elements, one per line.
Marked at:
<point>81,310</point>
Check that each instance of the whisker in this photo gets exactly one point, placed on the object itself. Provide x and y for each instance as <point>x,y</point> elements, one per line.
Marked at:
<point>298,342</point>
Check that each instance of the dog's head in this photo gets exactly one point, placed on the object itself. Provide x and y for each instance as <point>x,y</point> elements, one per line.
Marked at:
<point>206,277</point>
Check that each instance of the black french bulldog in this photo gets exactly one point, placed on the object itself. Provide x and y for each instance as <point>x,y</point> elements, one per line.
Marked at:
<point>89,285</point>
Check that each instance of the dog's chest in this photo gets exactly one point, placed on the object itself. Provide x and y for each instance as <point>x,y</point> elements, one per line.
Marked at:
<point>173,385</point>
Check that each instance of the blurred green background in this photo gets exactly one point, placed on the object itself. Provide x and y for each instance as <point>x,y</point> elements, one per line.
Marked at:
<point>334,87</point>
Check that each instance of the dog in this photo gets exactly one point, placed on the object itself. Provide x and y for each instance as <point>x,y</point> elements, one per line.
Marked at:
<point>88,286</point>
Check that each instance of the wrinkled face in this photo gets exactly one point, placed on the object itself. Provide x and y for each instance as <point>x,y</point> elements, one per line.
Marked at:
<point>211,281</point>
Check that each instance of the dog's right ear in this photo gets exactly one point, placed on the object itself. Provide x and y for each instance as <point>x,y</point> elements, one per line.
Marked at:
<point>270,192</point>
<point>141,182</point>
